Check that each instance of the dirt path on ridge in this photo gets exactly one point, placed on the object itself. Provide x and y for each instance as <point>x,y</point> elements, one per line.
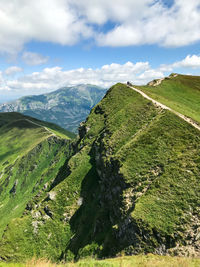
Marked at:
<point>41,126</point>
<point>158,104</point>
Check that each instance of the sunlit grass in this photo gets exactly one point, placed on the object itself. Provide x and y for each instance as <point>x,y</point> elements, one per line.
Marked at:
<point>131,261</point>
<point>181,93</point>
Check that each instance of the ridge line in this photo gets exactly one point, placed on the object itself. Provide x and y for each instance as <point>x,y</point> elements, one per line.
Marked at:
<point>41,126</point>
<point>188,120</point>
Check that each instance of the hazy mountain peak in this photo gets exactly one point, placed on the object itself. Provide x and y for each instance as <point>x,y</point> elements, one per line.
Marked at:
<point>67,106</point>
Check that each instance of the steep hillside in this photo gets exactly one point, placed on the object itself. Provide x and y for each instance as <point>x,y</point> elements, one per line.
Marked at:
<point>132,186</point>
<point>31,153</point>
<point>179,92</point>
<point>66,107</point>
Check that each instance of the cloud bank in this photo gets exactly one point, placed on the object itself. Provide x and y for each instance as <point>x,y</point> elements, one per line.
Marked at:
<point>67,22</point>
<point>53,78</point>
<point>50,79</point>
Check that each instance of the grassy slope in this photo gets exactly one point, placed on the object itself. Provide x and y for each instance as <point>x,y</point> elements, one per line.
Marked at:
<point>133,261</point>
<point>133,186</point>
<point>14,116</point>
<point>158,155</point>
<point>30,157</point>
<point>181,93</point>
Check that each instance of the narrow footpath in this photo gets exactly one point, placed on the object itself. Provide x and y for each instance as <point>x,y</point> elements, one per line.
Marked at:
<point>158,104</point>
<point>41,126</point>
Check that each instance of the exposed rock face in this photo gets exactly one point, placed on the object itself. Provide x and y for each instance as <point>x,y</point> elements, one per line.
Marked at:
<point>157,82</point>
<point>52,195</point>
<point>190,245</point>
<point>173,75</point>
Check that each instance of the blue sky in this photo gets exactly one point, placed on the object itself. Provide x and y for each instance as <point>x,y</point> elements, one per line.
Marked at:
<point>48,44</point>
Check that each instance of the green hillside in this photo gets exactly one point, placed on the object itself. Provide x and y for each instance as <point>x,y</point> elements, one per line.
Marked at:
<point>181,93</point>
<point>149,260</point>
<point>131,186</point>
<point>31,153</point>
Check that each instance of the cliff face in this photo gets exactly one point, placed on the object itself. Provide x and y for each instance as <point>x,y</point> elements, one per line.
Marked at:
<point>132,186</point>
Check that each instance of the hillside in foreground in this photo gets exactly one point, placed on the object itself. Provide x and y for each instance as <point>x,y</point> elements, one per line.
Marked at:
<point>149,260</point>
<point>130,186</point>
<point>67,106</point>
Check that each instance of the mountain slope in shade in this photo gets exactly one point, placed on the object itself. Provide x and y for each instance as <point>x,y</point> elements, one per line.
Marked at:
<point>66,107</point>
<point>131,186</point>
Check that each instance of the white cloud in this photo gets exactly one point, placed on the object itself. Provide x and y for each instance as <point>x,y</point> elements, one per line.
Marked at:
<point>192,62</point>
<point>34,59</point>
<point>144,21</point>
<point>66,22</point>
<point>13,70</point>
<point>3,85</point>
<point>1,78</point>
<point>53,78</point>
<point>188,62</point>
<point>46,21</point>
<point>149,75</point>
<point>50,79</point>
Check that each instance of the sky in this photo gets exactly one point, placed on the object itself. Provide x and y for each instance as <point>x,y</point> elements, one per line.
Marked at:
<point>48,44</point>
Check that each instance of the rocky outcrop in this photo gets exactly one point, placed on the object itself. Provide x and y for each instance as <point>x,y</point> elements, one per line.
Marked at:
<point>157,82</point>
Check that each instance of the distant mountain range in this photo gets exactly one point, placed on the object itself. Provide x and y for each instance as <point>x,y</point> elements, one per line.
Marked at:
<point>67,106</point>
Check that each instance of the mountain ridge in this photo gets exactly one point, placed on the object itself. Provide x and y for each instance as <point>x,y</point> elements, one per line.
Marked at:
<point>194,124</point>
<point>177,91</point>
<point>67,106</point>
<point>129,186</point>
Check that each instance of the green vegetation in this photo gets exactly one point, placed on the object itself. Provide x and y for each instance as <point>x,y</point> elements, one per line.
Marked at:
<point>133,261</point>
<point>30,158</point>
<point>181,93</point>
<point>128,185</point>
<point>19,119</point>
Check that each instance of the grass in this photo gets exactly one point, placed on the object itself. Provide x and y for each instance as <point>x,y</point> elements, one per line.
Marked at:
<point>133,261</point>
<point>57,130</point>
<point>131,186</point>
<point>162,160</point>
<point>52,235</point>
<point>159,163</point>
<point>181,93</point>
<point>13,117</point>
<point>30,157</point>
